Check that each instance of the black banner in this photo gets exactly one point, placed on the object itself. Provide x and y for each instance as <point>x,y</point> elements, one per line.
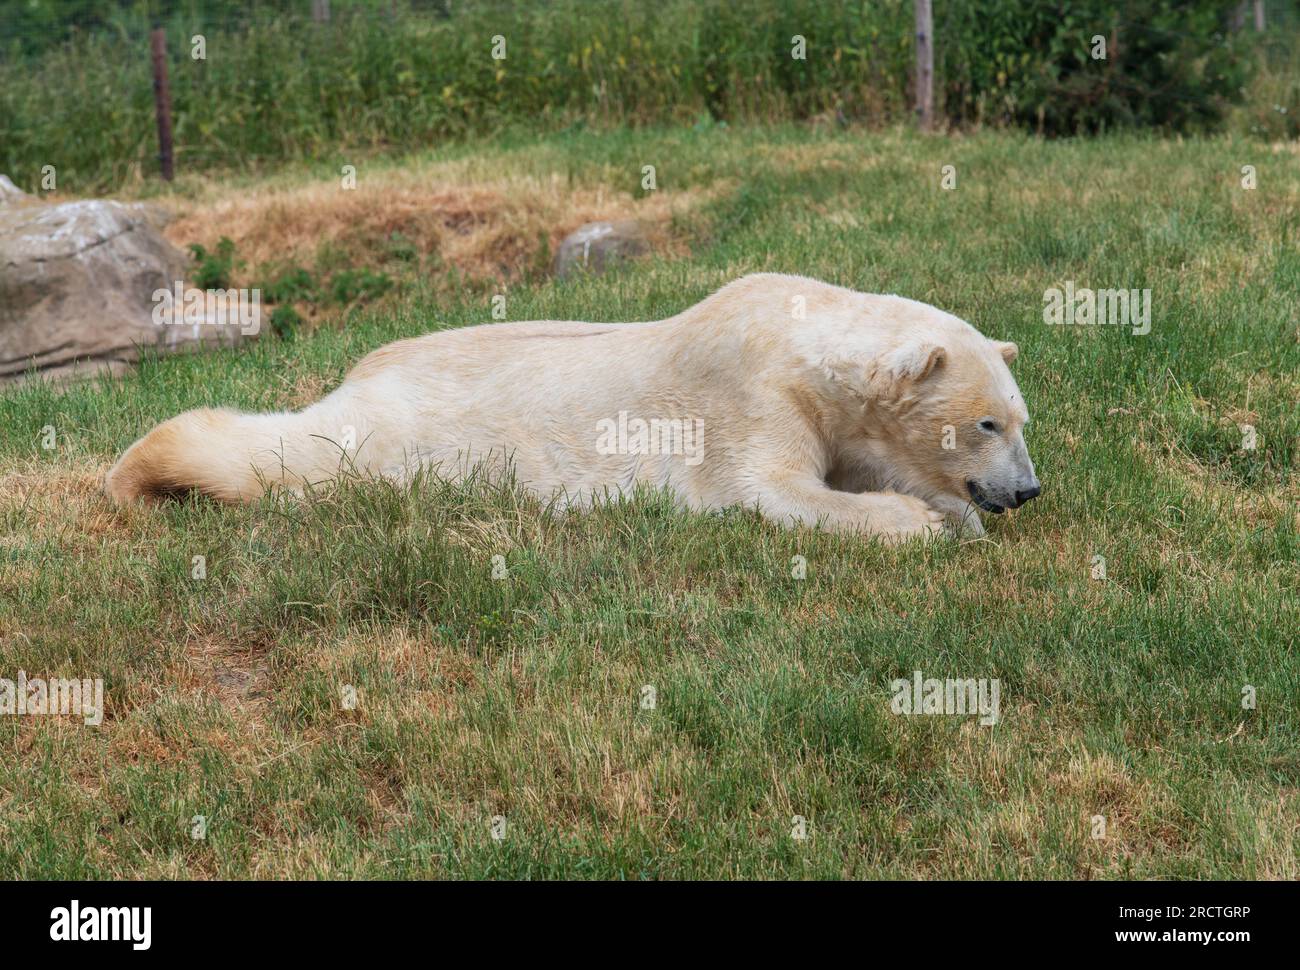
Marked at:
<point>333,920</point>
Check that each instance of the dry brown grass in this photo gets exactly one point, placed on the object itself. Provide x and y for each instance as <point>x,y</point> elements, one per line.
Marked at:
<point>235,673</point>
<point>50,495</point>
<point>494,228</point>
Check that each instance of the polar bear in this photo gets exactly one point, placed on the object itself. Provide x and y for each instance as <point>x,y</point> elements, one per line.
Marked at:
<point>815,404</point>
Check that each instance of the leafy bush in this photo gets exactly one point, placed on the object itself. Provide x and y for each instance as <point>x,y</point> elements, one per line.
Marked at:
<point>352,285</point>
<point>292,285</point>
<point>400,248</point>
<point>285,322</point>
<point>213,270</point>
<point>275,85</point>
<point>1085,66</point>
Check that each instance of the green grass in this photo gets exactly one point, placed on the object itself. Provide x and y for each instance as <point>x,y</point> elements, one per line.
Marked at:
<point>520,697</point>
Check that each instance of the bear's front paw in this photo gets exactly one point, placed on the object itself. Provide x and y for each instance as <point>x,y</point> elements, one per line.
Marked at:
<point>962,518</point>
<point>911,518</point>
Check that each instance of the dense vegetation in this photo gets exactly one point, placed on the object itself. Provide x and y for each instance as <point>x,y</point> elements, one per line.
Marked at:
<point>273,85</point>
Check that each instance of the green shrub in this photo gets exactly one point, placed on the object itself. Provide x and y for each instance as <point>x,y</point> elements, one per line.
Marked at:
<point>293,285</point>
<point>1168,64</point>
<point>401,248</point>
<point>213,270</point>
<point>285,322</point>
<point>353,285</point>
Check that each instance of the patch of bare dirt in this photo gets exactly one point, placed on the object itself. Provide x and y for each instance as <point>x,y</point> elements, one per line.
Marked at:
<point>234,674</point>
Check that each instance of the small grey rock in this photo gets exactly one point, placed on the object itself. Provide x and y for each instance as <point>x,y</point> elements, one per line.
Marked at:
<point>596,246</point>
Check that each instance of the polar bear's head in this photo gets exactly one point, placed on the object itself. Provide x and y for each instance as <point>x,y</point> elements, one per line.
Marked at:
<point>954,420</point>
<point>928,407</point>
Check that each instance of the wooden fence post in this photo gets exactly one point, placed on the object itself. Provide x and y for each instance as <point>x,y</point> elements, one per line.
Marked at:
<point>924,65</point>
<point>162,100</point>
<point>320,11</point>
<point>1259,14</point>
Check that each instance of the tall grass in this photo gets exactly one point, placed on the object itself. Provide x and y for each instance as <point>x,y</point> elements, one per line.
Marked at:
<point>274,86</point>
<point>288,88</point>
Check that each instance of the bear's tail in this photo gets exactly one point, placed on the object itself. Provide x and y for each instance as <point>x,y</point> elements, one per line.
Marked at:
<point>230,456</point>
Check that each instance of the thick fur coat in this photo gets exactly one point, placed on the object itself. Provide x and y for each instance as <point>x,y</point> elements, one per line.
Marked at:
<point>815,404</point>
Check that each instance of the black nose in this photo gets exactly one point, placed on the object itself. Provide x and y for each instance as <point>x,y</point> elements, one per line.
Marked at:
<point>1027,494</point>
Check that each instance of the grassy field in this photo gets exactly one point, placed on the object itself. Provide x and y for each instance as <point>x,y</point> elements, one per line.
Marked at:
<point>521,698</point>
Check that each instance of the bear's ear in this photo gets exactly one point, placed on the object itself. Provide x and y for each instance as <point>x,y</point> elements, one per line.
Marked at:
<point>1007,349</point>
<point>887,377</point>
<point>913,361</point>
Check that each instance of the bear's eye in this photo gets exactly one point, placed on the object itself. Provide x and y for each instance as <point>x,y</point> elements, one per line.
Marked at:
<point>989,426</point>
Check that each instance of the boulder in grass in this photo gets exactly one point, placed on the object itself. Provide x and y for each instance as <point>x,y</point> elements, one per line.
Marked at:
<point>9,192</point>
<point>78,283</point>
<point>596,246</point>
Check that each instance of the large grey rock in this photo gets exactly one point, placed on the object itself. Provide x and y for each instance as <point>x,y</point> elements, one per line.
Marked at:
<point>596,246</point>
<point>77,281</point>
<point>10,192</point>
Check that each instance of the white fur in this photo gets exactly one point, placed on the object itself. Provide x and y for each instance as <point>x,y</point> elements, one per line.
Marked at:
<point>795,384</point>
